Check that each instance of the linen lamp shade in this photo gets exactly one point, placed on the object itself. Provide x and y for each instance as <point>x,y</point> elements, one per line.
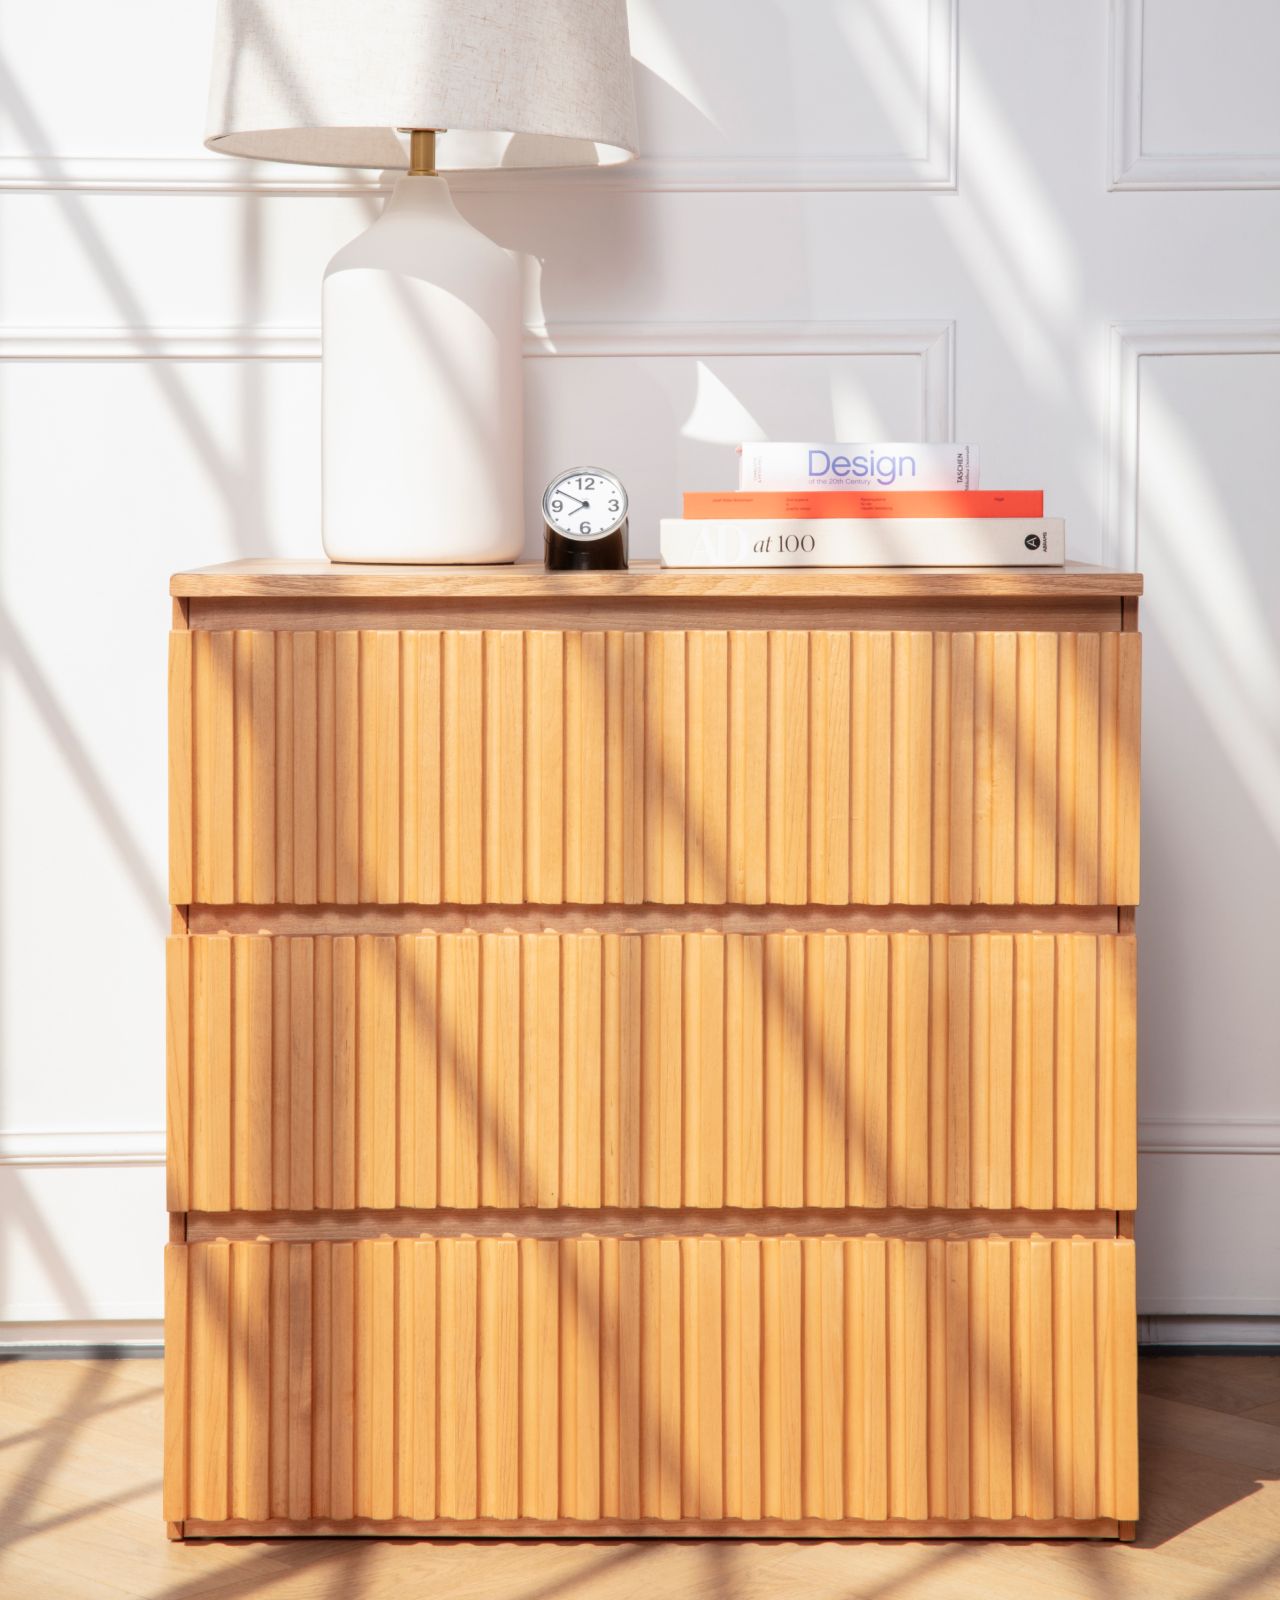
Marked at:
<point>513,83</point>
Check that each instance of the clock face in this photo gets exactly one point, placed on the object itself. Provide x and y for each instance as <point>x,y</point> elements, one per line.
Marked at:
<point>584,503</point>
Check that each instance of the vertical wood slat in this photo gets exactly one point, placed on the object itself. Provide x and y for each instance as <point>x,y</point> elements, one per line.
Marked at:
<point>253,1066</point>
<point>304,824</point>
<point>210,1094</point>
<point>461,766</point>
<point>277,1357</point>
<point>544,780</point>
<point>177,1383</point>
<point>748,763</point>
<point>499,1381</point>
<point>347,717</point>
<point>675,767</point>
<point>212,737</point>
<point>419,1297</point>
<point>248,1378</point>
<point>707,808</point>
<point>828,1379</point>
<point>178,1073</point>
<point>210,1331</point>
<point>343,1159</point>
<point>281,811</point>
<point>1000,887</point>
<point>787,788</point>
<point>584,771</point>
<point>657,1070</point>
<point>322,1102</point>
<point>503,767</point>
<point>1120,864</point>
<point>340,1381</point>
<point>181,774</point>
<point>870,806</point>
<point>298,1062</point>
<point>421,759</point>
<point>457,1433</point>
<point>325,1443</point>
<point>326,768</point>
<point>281,1120</point>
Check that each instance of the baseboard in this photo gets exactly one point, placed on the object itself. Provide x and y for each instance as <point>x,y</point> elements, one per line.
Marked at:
<point>81,1352</point>
<point>72,1339</point>
<point>1193,1333</point>
<point>1157,1334</point>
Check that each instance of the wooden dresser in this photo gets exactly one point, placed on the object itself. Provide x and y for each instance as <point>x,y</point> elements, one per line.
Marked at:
<point>652,1052</point>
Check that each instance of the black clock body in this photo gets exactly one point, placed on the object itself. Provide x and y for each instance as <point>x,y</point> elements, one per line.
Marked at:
<point>606,553</point>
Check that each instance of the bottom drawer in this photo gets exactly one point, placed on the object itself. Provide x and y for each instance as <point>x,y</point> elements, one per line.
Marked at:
<point>652,1380</point>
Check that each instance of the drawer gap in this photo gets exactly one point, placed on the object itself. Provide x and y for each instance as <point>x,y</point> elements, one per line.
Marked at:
<point>570,1222</point>
<point>297,921</point>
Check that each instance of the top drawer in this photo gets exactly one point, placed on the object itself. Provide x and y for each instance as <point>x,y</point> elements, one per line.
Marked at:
<point>787,767</point>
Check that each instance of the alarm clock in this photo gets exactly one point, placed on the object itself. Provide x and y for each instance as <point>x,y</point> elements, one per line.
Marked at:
<point>585,514</point>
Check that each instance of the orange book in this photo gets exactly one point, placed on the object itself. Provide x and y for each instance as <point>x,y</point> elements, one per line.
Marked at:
<point>812,504</point>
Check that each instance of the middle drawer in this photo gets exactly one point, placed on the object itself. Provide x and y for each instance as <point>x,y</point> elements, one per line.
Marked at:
<point>876,1070</point>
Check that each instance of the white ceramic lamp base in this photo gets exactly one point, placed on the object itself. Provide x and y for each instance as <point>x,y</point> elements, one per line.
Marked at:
<point>422,404</point>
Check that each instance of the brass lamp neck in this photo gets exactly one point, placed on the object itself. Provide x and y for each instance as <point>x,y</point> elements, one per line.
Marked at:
<point>422,152</point>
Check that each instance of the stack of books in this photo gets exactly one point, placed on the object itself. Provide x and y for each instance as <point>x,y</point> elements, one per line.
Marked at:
<point>862,505</point>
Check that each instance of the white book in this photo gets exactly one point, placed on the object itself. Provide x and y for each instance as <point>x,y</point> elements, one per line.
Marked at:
<point>793,467</point>
<point>863,542</point>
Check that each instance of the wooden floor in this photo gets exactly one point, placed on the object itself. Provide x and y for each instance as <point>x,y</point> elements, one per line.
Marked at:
<point>80,1516</point>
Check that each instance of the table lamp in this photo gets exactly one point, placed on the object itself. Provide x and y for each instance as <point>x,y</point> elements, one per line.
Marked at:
<point>422,454</point>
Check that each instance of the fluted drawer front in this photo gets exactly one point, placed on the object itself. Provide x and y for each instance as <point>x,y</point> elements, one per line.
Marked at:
<point>659,1378</point>
<point>679,766</point>
<point>458,1070</point>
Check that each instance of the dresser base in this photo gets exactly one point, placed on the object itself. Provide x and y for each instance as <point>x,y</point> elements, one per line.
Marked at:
<point>765,1528</point>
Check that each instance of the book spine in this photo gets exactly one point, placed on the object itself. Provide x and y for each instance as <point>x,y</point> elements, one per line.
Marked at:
<point>859,542</point>
<point>815,504</point>
<point>790,467</point>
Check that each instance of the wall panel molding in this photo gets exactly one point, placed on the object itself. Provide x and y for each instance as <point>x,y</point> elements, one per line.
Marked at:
<point>1131,344</point>
<point>1134,168</point>
<point>1202,1136</point>
<point>930,342</point>
<point>932,170</point>
<point>145,1147</point>
<point>168,175</point>
<point>65,1147</point>
<point>34,342</point>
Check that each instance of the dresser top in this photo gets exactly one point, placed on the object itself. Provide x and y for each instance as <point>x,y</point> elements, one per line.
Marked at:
<point>527,580</point>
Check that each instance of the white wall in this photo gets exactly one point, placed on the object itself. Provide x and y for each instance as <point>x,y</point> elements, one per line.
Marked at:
<point>892,217</point>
